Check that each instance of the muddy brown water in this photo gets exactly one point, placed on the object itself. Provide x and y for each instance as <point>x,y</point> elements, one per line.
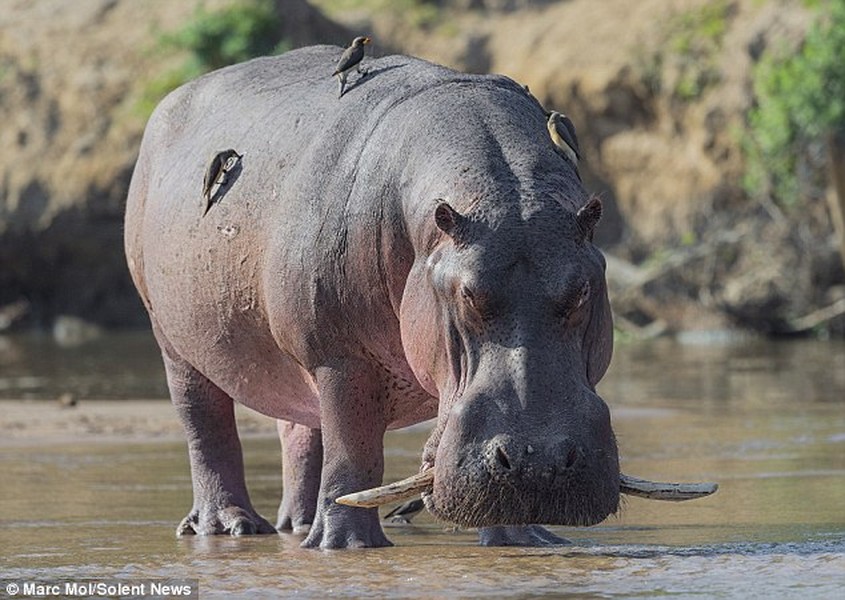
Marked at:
<point>766,420</point>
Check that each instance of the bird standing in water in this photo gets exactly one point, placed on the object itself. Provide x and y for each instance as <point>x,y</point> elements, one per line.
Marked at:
<point>562,132</point>
<point>351,57</point>
<point>404,512</point>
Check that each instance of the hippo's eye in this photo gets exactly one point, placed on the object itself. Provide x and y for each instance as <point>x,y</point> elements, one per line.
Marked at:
<point>583,296</point>
<point>572,309</point>
<point>476,302</point>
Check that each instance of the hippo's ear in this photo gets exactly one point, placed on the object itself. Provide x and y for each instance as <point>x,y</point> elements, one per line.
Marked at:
<point>588,216</point>
<point>448,220</point>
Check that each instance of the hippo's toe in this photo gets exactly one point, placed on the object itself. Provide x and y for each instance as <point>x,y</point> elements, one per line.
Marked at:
<point>243,526</point>
<point>188,526</point>
<point>294,526</point>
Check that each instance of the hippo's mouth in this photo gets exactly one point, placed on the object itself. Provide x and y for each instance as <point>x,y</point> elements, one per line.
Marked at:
<point>423,483</point>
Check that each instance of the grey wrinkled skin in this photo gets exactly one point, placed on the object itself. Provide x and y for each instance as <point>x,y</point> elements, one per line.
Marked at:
<point>410,250</point>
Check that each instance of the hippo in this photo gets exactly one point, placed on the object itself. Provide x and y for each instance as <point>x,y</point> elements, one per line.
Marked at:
<point>416,249</point>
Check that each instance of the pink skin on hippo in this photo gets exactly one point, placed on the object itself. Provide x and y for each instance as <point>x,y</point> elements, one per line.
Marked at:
<point>418,248</point>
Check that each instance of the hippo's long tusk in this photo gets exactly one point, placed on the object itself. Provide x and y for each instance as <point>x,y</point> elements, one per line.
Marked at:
<point>392,492</point>
<point>423,482</point>
<point>655,490</point>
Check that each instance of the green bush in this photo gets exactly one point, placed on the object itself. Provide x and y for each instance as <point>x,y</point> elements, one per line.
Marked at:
<point>688,45</point>
<point>216,39</point>
<point>229,36</point>
<point>800,98</point>
<point>422,14</point>
<point>695,42</point>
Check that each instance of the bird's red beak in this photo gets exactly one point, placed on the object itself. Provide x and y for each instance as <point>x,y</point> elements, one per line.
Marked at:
<point>367,40</point>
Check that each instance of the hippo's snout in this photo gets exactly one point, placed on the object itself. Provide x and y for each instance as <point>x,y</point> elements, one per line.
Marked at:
<point>526,469</point>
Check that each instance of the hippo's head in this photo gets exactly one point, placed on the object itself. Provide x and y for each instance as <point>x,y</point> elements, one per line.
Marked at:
<point>507,321</point>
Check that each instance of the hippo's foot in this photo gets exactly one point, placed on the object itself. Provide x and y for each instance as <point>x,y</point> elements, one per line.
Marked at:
<point>346,527</point>
<point>232,520</point>
<point>519,535</point>
<point>295,525</point>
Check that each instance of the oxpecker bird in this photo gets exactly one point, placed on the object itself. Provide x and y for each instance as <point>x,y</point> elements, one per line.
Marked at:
<point>221,164</point>
<point>351,57</point>
<point>405,512</point>
<point>562,132</point>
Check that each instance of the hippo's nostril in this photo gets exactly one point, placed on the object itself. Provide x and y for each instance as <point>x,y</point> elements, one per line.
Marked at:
<point>502,458</point>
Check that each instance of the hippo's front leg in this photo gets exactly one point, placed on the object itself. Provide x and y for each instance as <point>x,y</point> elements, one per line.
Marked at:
<point>302,460</point>
<point>353,426</point>
<point>221,502</point>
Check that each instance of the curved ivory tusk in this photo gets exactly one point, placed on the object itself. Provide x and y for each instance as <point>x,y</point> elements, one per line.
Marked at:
<point>655,490</point>
<point>423,482</point>
<point>392,492</point>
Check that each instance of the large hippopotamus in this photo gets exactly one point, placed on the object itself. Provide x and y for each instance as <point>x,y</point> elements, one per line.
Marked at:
<point>417,248</point>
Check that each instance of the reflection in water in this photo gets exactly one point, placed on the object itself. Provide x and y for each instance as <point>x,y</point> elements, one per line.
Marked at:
<point>117,365</point>
<point>765,420</point>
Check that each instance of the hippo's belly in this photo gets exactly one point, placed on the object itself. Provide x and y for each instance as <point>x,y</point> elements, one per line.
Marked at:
<point>227,339</point>
<point>266,381</point>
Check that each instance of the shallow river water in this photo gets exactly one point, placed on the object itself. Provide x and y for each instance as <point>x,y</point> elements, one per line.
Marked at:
<point>766,420</point>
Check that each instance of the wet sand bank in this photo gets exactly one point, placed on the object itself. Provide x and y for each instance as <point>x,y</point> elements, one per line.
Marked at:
<point>38,422</point>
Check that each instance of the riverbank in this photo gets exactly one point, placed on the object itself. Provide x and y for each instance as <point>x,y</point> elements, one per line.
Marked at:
<point>659,106</point>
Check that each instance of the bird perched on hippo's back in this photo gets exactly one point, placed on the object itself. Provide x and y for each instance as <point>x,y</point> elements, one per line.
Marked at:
<point>562,132</point>
<point>351,57</point>
<point>216,174</point>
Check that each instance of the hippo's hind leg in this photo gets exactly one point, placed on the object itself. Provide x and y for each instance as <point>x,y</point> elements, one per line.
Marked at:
<point>221,502</point>
<point>302,461</point>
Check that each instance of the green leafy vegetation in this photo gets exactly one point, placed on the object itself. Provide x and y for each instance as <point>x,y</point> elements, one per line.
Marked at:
<point>422,14</point>
<point>696,42</point>
<point>685,56</point>
<point>800,99</point>
<point>215,39</point>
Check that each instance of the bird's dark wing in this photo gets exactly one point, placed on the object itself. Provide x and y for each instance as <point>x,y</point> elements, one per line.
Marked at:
<point>567,132</point>
<point>350,57</point>
<point>404,512</point>
<point>212,173</point>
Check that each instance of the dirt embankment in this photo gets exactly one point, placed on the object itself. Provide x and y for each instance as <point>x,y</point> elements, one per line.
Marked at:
<point>72,75</point>
<point>659,127</point>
